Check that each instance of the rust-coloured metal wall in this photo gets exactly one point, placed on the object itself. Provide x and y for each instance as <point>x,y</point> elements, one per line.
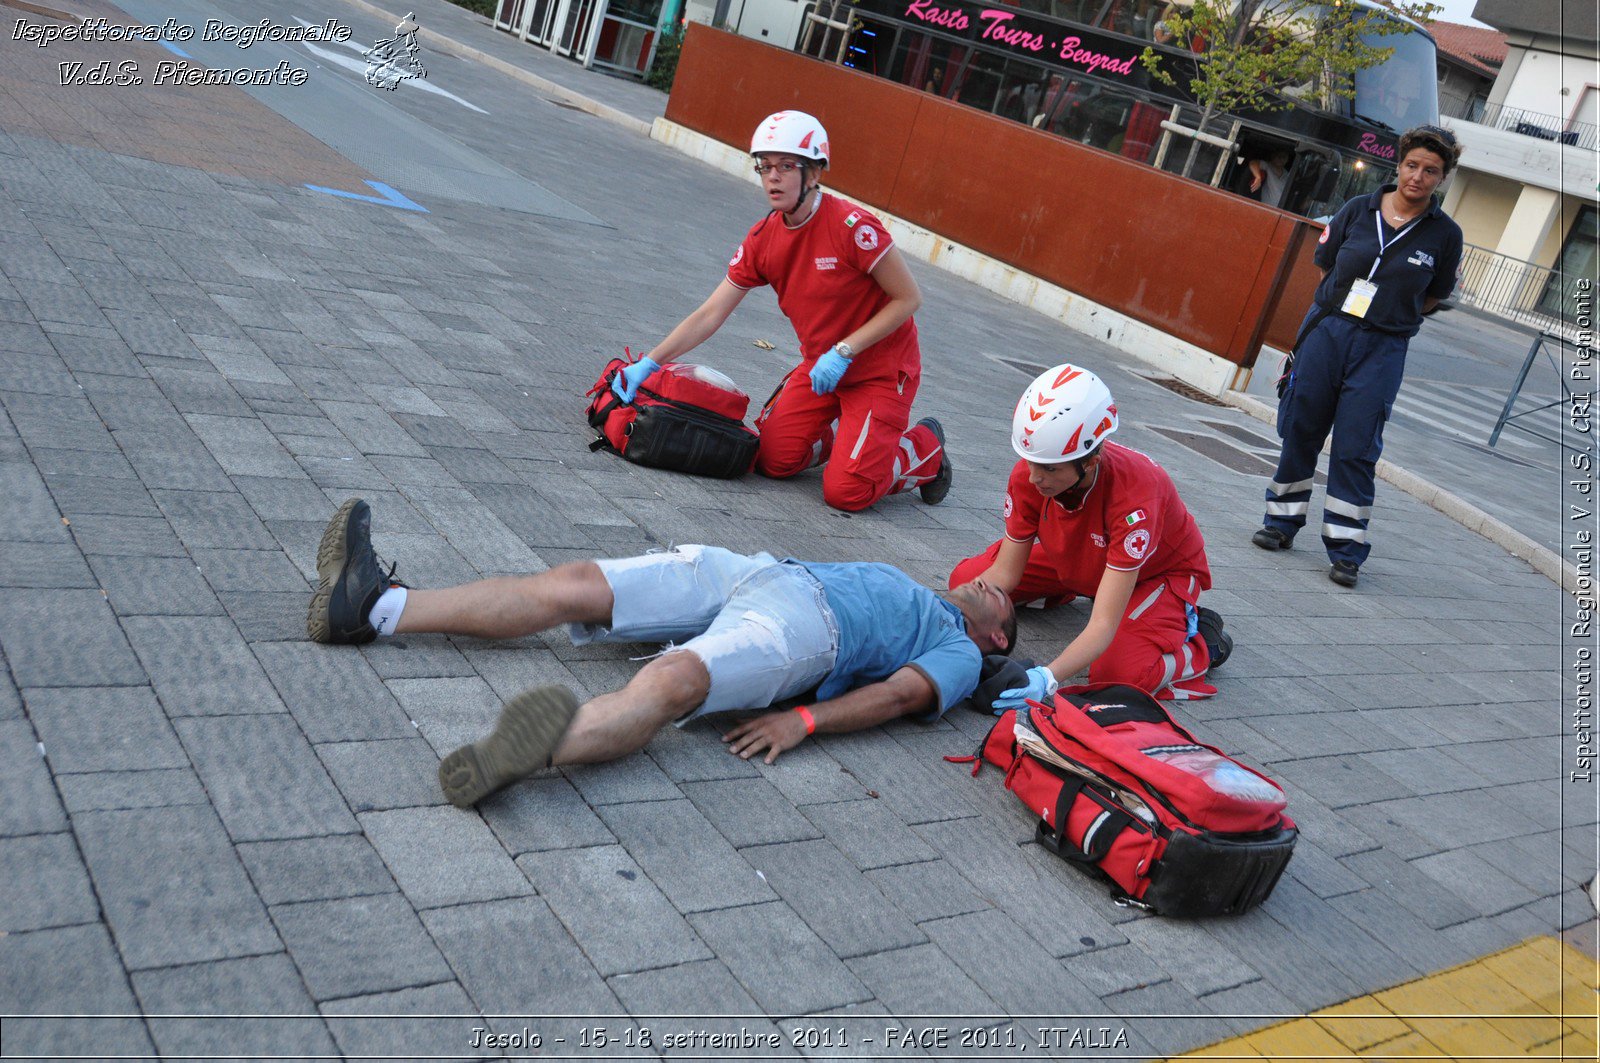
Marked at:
<point>1208,267</point>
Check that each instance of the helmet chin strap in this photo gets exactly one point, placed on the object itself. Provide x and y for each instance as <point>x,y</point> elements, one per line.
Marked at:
<point>1072,500</point>
<point>805,193</point>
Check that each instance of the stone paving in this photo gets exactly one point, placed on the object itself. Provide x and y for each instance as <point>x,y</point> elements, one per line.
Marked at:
<point>202,814</point>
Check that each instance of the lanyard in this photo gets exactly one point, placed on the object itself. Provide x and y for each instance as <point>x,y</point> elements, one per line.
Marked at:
<point>1383,245</point>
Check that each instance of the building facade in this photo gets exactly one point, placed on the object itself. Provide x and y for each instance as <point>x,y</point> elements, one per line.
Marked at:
<point>1525,193</point>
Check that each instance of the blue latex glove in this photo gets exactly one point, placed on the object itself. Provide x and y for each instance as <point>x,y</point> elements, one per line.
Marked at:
<point>1041,684</point>
<point>626,383</point>
<point>828,371</point>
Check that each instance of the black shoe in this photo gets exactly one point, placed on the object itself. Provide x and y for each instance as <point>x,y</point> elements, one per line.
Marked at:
<point>1344,573</point>
<point>350,579</point>
<point>530,728</point>
<point>934,490</point>
<point>1272,539</point>
<point>1219,644</point>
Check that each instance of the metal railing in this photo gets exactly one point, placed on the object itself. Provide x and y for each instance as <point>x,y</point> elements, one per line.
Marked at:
<point>1528,123</point>
<point>1510,288</point>
<point>1578,404</point>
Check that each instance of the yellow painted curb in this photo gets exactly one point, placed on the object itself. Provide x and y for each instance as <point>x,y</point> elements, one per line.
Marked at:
<point>1536,1000</point>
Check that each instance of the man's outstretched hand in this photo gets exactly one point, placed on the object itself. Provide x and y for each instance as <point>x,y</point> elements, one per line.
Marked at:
<point>773,732</point>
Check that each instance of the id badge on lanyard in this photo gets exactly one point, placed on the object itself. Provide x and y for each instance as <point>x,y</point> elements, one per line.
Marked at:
<point>1362,291</point>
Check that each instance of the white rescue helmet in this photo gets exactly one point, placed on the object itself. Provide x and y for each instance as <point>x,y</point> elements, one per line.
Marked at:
<point>793,133</point>
<point>1065,414</point>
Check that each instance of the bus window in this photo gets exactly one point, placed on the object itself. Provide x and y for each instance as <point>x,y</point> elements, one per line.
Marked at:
<point>1401,92</point>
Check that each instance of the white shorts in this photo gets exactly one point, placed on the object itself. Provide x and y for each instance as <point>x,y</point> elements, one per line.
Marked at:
<point>762,627</point>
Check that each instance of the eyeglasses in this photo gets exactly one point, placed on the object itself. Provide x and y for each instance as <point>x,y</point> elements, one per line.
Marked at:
<point>1439,133</point>
<point>787,166</point>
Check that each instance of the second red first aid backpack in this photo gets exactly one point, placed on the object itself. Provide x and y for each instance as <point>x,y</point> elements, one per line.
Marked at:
<point>685,417</point>
<point>1125,793</point>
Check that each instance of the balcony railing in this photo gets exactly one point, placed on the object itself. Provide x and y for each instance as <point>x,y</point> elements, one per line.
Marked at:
<point>1512,289</point>
<point>1528,123</point>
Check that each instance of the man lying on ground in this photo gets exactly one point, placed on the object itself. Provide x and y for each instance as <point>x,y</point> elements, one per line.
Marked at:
<point>742,632</point>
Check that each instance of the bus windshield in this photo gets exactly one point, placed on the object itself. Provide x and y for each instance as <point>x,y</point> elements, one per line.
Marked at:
<point>1401,92</point>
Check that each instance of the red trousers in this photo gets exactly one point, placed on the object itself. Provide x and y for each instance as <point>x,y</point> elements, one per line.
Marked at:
<point>860,432</point>
<point>1152,649</point>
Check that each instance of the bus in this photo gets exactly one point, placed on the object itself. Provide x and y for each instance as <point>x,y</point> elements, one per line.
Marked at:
<point>1072,68</point>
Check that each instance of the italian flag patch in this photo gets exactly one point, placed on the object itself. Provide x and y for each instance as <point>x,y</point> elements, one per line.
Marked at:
<point>1135,517</point>
<point>851,219</point>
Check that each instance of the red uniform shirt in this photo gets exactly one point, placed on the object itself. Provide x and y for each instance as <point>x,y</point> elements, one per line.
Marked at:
<point>820,271</point>
<point>1132,519</point>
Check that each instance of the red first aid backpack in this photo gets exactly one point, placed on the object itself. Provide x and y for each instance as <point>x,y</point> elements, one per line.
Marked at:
<point>1123,792</point>
<point>690,419</point>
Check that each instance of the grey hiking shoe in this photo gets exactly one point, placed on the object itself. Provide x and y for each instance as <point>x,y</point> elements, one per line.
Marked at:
<point>935,490</point>
<point>350,579</point>
<point>528,731</point>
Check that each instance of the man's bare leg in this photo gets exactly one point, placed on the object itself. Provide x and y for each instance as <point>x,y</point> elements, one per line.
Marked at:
<point>508,607</point>
<point>546,725</point>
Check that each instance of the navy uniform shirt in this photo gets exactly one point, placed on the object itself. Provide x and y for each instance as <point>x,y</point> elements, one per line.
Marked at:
<point>1420,262</point>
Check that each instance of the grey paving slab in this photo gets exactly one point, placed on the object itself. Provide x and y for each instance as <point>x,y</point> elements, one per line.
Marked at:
<point>214,520</point>
<point>51,566</point>
<point>332,692</point>
<point>395,773</point>
<point>172,887</point>
<point>443,856</point>
<point>267,616</point>
<point>512,955</point>
<point>98,729</point>
<point>263,777</point>
<point>30,804</point>
<point>248,570</point>
<point>634,778</point>
<point>358,945</point>
<point>750,812</point>
<point>779,960</point>
<point>400,1024</point>
<point>201,666</point>
<point>65,638</point>
<point>333,867</point>
<point>544,813</point>
<point>1014,970</point>
<point>922,980</point>
<point>126,536</point>
<point>657,834</point>
<point>929,890</point>
<point>842,906</point>
<point>155,586</point>
<point>47,883</point>
<point>1060,913</point>
<point>68,971</point>
<point>869,833</point>
<point>244,1002</point>
<point>697,754</point>
<point>107,791</point>
<point>448,712</point>
<point>636,928</point>
<point>1478,883</point>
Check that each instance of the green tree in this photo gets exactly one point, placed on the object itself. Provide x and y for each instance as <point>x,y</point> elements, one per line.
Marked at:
<point>1261,55</point>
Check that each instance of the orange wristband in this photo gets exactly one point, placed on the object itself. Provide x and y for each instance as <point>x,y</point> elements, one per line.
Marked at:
<point>809,720</point>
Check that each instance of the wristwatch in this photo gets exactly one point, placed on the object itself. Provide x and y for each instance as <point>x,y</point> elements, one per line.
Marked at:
<point>844,350</point>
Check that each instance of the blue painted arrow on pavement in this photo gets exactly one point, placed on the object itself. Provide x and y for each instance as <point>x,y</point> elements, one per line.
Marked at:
<point>387,196</point>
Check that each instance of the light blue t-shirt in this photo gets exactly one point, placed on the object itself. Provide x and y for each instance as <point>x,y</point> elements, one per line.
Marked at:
<point>888,621</point>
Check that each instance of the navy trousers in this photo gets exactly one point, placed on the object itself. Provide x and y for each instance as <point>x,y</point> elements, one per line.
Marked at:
<point>1345,379</point>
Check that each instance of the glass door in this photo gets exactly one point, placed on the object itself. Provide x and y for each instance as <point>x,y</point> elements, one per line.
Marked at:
<point>1579,259</point>
<point>574,27</point>
<point>540,23</point>
<point>508,15</point>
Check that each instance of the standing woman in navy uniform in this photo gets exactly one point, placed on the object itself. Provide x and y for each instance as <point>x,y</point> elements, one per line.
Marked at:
<point>1387,259</point>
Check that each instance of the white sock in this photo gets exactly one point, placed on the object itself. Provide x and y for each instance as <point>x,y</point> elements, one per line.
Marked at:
<point>386,614</point>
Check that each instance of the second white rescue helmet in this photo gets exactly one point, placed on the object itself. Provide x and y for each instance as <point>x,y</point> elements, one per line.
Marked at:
<point>791,132</point>
<point>1064,415</point>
